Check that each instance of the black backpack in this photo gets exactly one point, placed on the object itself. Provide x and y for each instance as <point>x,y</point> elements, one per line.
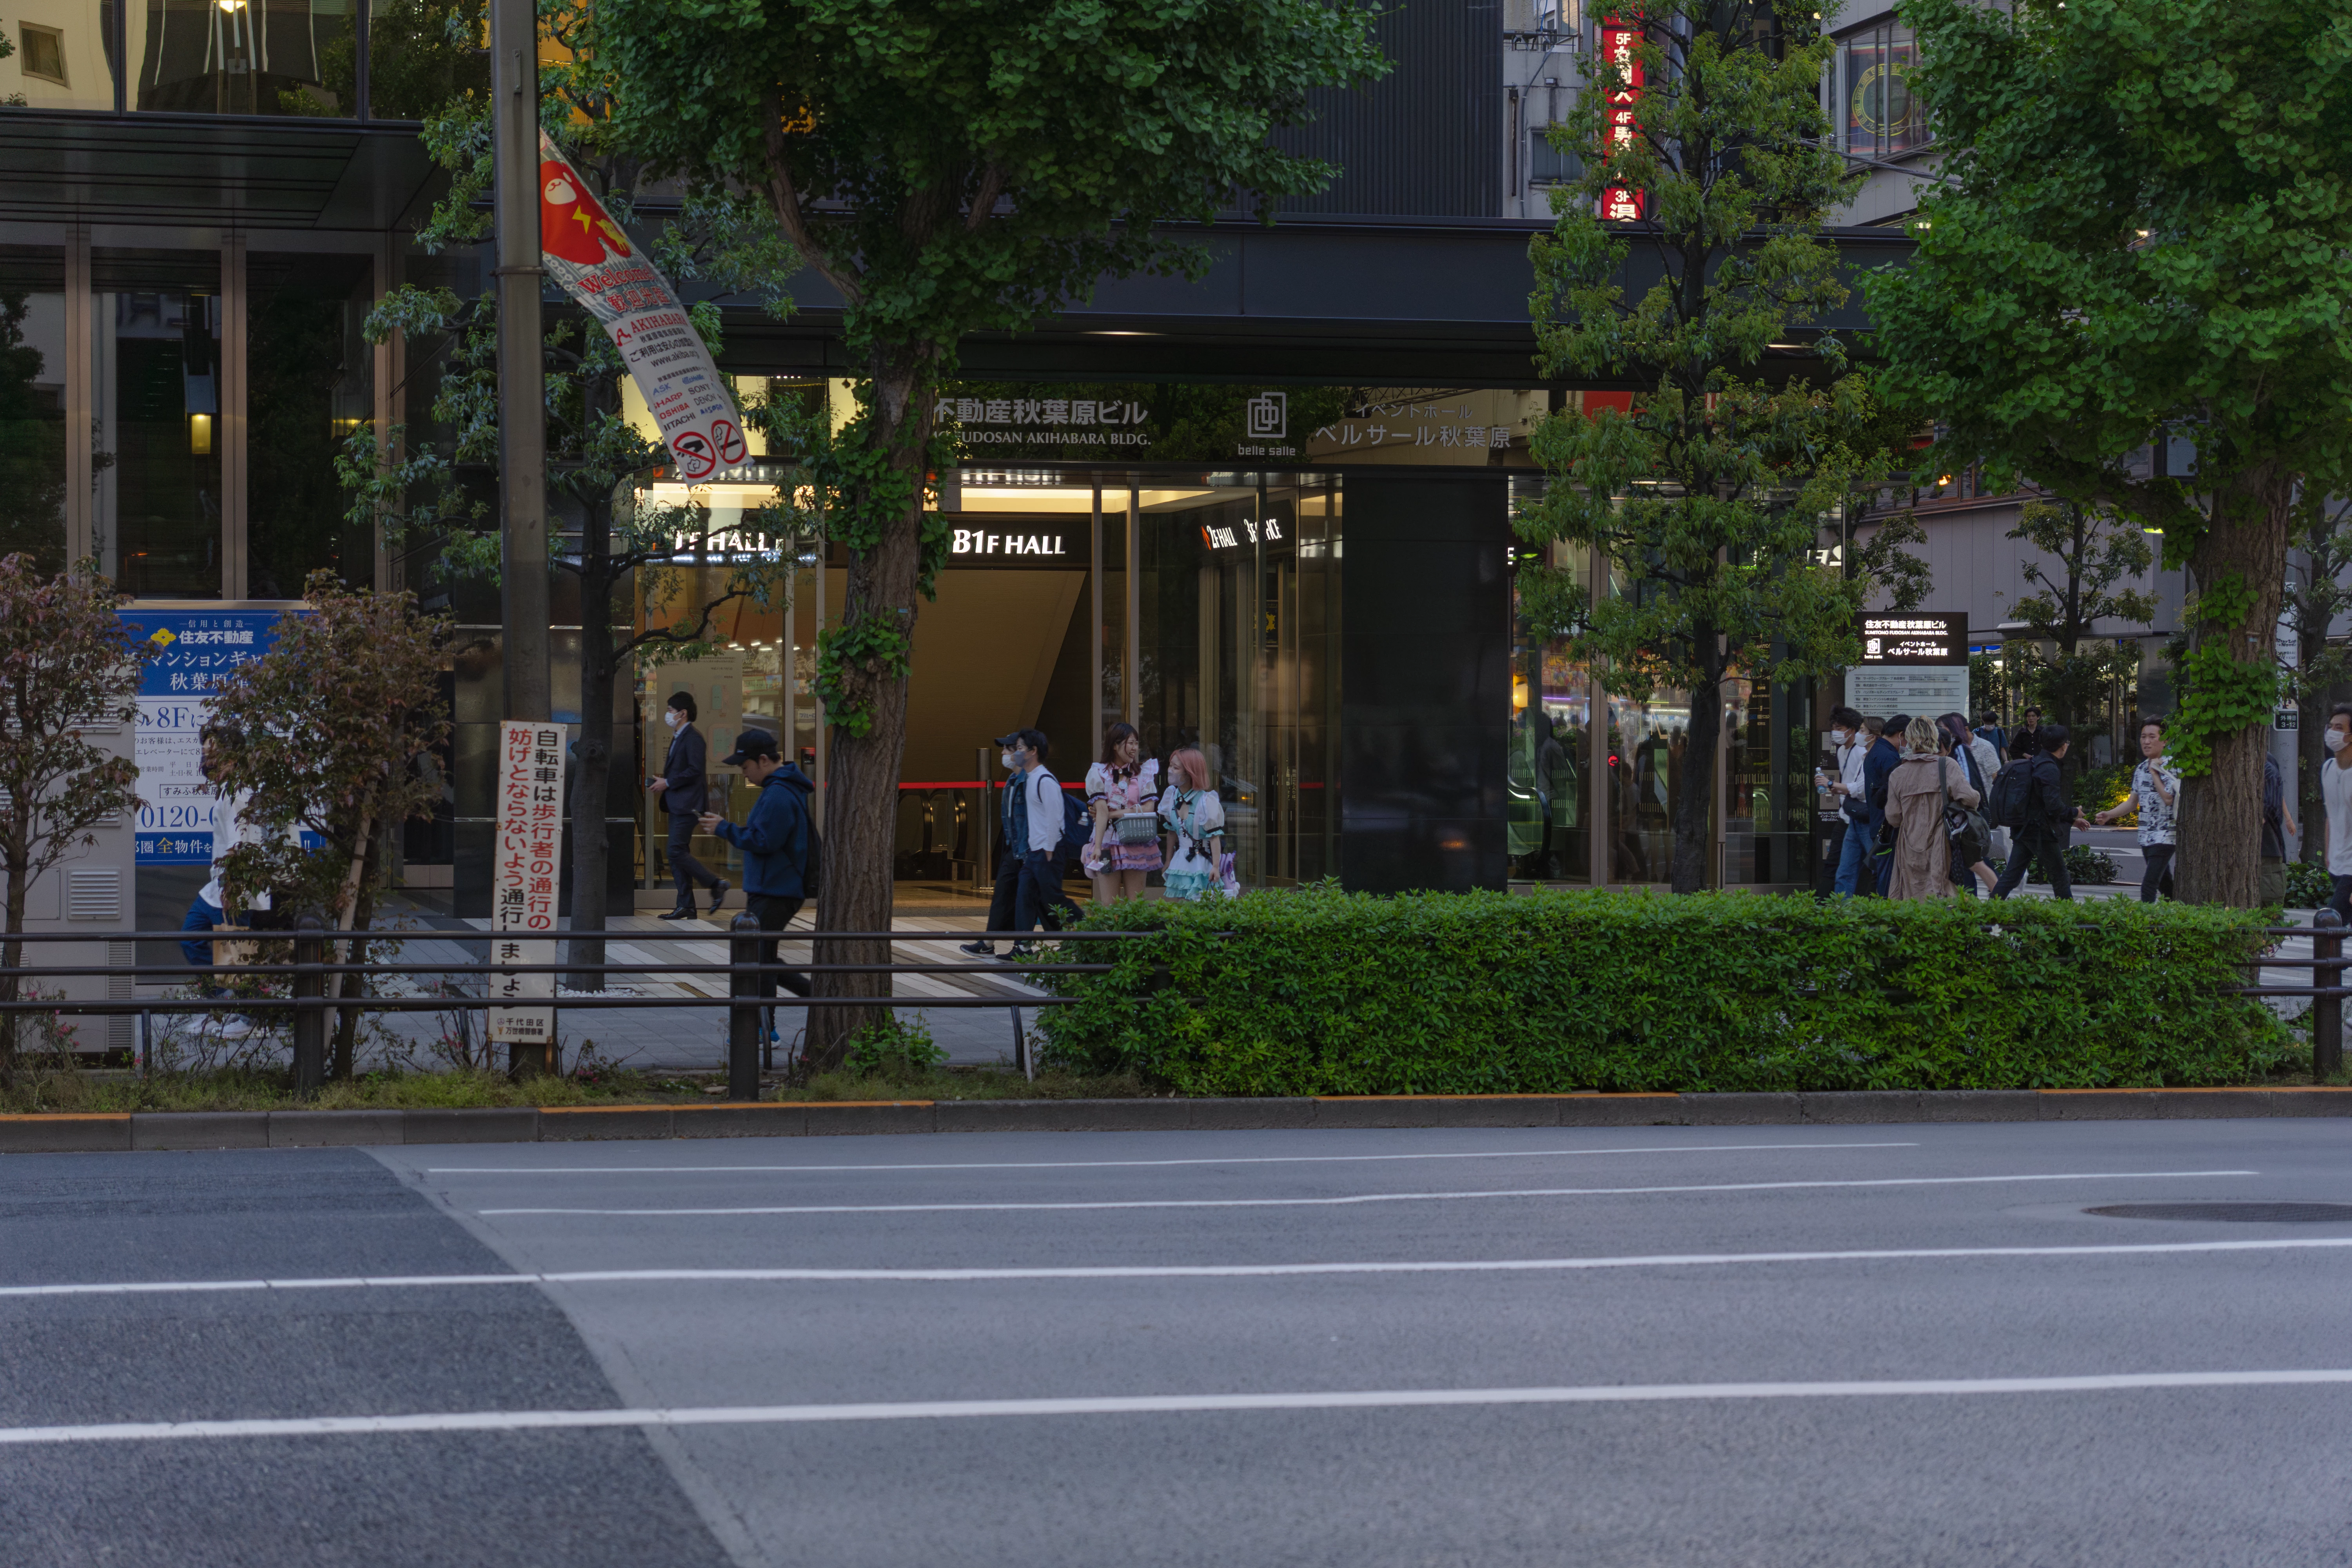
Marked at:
<point>2012,794</point>
<point>1077,827</point>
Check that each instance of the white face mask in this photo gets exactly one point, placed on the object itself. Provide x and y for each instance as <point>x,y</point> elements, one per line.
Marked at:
<point>673,718</point>
<point>1007,758</point>
<point>2335,739</point>
<point>1840,737</point>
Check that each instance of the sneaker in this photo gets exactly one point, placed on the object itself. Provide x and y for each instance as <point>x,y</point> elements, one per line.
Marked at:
<point>1021,950</point>
<point>719,896</point>
<point>686,913</point>
<point>982,949</point>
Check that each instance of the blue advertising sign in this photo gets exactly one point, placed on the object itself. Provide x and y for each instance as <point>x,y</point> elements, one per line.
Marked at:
<point>194,650</point>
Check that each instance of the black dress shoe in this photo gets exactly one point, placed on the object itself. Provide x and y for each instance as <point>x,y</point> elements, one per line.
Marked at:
<point>719,895</point>
<point>684,914</point>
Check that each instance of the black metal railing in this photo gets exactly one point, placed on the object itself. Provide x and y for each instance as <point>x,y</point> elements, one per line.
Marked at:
<point>750,1044</point>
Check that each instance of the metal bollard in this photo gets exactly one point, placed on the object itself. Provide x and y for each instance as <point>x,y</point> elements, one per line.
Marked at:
<point>309,1005</point>
<point>2327,1012</point>
<point>743,1009</point>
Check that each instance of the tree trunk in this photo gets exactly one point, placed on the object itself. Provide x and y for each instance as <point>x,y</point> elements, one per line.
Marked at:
<point>2221,812</point>
<point>1695,807</point>
<point>362,910</point>
<point>862,773</point>
<point>593,781</point>
<point>10,963</point>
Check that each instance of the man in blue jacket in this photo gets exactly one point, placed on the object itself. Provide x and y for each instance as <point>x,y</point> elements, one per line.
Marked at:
<point>684,789</point>
<point>774,839</point>
<point>1885,756</point>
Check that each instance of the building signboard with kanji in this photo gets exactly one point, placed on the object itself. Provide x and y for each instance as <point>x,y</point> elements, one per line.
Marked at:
<point>525,874</point>
<point>1914,662</point>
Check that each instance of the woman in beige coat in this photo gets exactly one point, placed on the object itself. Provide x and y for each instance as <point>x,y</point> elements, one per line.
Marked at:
<point>1922,855</point>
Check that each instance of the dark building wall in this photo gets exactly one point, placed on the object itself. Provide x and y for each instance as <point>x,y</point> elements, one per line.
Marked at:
<point>1425,681</point>
<point>1427,140</point>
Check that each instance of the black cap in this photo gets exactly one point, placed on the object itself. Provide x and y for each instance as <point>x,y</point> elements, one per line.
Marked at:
<point>749,745</point>
<point>1014,739</point>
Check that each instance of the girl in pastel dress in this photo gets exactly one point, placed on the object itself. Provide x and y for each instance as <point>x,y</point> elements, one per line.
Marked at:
<point>1122,787</point>
<point>1192,813</point>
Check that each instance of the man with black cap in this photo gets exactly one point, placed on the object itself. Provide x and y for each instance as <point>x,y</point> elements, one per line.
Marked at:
<point>2050,820</point>
<point>774,838</point>
<point>1028,870</point>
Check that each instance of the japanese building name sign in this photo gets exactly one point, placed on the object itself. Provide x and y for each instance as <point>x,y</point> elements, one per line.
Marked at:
<point>525,876</point>
<point>590,255</point>
<point>1915,662</point>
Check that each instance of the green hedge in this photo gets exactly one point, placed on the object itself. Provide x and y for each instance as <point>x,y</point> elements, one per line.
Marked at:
<point>1319,992</point>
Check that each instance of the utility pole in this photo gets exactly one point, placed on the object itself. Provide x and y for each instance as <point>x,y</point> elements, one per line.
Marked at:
<point>523,424</point>
<point>522,421</point>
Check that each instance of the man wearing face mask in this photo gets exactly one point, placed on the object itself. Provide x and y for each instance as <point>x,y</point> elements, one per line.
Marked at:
<point>2336,793</point>
<point>684,792</point>
<point>1850,746</point>
<point>1028,875</point>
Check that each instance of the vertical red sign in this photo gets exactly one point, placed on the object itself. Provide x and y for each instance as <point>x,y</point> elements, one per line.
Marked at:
<point>1618,42</point>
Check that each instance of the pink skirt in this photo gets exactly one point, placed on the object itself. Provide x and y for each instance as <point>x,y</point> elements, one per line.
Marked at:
<point>1118,856</point>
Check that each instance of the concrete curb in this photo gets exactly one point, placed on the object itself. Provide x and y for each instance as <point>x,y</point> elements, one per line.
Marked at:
<point>563,1124</point>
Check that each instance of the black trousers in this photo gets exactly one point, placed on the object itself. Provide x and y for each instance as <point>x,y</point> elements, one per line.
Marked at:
<point>1028,893</point>
<point>2026,844</point>
<point>684,868</point>
<point>2157,877</point>
<point>775,914</point>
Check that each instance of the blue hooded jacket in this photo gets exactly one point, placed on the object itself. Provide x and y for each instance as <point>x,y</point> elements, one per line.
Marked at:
<point>774,837</point>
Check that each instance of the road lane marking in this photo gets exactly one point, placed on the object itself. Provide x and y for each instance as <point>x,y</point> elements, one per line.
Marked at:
<point>1358,1197</point>
<point>1154,1270</point>
<point>1152,1405</point>
<point>1106,1164</point>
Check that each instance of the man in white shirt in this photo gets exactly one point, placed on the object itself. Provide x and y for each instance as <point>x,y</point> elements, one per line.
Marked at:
<point>1851,740</point>
<point>1028,864</point>
<point>2336,793</point>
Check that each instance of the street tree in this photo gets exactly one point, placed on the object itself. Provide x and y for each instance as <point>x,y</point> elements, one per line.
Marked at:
<point>67,665</point>
<point>2143,237</point>
<point>1701,149</point>
<point>2082,561</point>
<point>624,557</point>
<point>328,729</point>
<point>948,167</point>
<point>2317,595</point>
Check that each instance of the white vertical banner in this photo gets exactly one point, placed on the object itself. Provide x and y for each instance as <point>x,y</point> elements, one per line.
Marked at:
<point>525,876</point>
<point>591,257</point>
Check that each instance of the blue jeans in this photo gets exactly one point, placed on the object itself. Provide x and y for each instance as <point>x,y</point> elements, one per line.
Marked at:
<point>202,916</point>
<point>1854,855</point>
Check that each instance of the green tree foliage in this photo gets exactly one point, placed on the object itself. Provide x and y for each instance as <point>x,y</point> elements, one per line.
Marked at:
<point>954,166</point>
<point>2082,557</point>
<point>327,730</point>
<point>2150,204</point>
<point>66,663</point>
<point>1711,494</point>
<point>622,555</point>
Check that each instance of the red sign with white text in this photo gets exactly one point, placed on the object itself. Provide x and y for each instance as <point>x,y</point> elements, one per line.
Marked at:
<point>1618,42</point>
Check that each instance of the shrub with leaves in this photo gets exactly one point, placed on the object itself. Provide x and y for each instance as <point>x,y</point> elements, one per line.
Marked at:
<point>326,729</point>
<point>1319,992</point>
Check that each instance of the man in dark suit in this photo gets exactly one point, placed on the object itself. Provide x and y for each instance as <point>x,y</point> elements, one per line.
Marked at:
<point>684,792</point>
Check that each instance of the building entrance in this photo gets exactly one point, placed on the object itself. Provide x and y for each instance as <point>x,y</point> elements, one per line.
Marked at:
<point>1201,607</point>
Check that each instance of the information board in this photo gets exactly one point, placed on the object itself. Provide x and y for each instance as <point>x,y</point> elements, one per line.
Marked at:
<point>525,876</point>
<point>194,650</point>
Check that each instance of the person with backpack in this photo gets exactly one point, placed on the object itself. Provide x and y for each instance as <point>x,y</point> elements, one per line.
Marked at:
<point>1989,731</point>
<point>1982,762</point>
<point>2155,795</point>
<point>781,852</point>
<point>1041,827</point>
<point>1918,792</point>
<point>2028,800</point>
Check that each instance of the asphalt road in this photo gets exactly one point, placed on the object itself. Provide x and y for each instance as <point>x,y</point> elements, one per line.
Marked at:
<point>1868,1346</point>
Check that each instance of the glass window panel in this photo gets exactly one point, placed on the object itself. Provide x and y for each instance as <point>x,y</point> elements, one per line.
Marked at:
<point>310,385</point>
<point>1768,791</point>
<point>33,405</point>
<point>63,57</point>
<point>155,320</point>
<point>413,68</point>
<point>1881,116</point>
<point>1549,793</point>
<point>246,57</point>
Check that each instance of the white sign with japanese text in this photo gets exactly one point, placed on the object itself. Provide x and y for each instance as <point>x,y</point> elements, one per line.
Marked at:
<point>524,878</point>
<point>598,265</point>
